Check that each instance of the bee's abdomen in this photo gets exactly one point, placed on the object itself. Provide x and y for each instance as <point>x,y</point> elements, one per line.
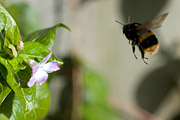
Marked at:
<point>149,42</point>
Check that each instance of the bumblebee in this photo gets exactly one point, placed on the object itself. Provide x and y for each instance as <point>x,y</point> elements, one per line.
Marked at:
<point>141,35</point>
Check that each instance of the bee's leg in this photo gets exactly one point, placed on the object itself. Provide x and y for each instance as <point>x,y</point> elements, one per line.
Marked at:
<point>142,53</point>
<point>133,48</point>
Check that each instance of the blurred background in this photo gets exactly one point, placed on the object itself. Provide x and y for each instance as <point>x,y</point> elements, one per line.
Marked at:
<point>100,78</point>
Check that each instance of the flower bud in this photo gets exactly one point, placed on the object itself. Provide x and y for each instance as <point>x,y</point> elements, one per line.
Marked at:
<point>20,45</point>
<point>14,52</point>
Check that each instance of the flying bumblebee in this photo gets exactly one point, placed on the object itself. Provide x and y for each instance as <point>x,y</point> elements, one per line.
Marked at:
<point>142,36</point>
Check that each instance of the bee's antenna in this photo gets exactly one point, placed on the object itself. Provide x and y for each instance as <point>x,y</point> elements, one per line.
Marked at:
<point>129,18</point>
<point>119,22</point>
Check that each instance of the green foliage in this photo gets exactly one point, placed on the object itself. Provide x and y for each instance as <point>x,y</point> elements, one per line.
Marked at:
<point>17,100</point>
<point>96,105</point>
<point>38,51</point>
<point>4,89</point>
<point>3,117</point>
<point>46,36</point>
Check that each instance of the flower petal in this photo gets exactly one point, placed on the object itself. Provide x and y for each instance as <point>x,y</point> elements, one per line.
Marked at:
<point>39,76</point>
<point>43,78</point>
<point>31,81</point>
<point>35,69</point>
<point>46,58</point>
<point>20,45</point>
<point>31,63</point>
<point>51,67</point>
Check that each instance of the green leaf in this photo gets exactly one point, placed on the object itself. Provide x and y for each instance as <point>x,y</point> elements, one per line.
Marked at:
<point>42,100</point>
<point>2,21</point>
<point>39,99</point>
<point>9,31</point>
<point>4,90</point>
<point>8,21</point>
<point>12,36</point>
<point>3,117</point>
<point>38,51</point>
<point>10,78</point>
<point>17,109</point>
<point>46,36</point>
<point>4,87</point>
<point>17,63</point>
<point>6,106</point>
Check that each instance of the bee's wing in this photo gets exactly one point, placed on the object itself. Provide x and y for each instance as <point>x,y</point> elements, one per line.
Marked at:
<point>153,24</point>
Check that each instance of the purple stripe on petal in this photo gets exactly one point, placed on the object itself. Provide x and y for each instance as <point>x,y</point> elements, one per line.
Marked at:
<point>46,58</point>
<point>43,78</point>
<point>51,67</point>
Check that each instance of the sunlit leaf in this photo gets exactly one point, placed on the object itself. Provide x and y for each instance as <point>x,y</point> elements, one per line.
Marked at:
<point>38,51</point>
<point>17,63</point>
<point>3,117</point>
<point>46,36</point>
<point>9,24</point>
<point>2,21</point>
<point>38,98</point>
<point>10,35</point>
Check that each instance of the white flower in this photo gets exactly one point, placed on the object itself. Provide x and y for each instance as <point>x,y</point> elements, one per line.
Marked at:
<point>40,70</point>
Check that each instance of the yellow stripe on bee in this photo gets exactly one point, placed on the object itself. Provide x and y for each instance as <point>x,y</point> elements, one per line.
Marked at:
<point>143,37</point>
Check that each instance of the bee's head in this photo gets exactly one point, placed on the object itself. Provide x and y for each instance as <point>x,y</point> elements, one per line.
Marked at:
<point>126,28</point>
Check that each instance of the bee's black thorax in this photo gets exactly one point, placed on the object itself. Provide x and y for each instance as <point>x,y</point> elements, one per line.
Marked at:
<point>130,31</point>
